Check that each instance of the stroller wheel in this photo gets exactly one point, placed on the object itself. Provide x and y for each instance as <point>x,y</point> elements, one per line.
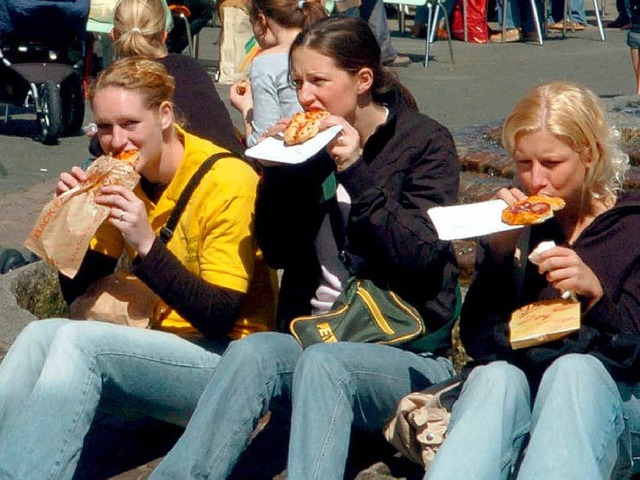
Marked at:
<point>72,98</point>
<point>50,113</point>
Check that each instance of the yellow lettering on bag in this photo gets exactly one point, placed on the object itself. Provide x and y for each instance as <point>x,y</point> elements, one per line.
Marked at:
<point>326,333</point>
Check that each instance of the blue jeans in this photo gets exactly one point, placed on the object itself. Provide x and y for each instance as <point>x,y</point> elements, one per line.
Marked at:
<point>327,389</point>
<point>376,17</point>
<point>578,13</point>
<point>579,427</point>
<point>58,371</point>
<point>519,14</point>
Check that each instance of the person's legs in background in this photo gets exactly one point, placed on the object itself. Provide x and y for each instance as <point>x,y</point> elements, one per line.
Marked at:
<point>633,40</point>
<point>513,22</point>
<point>340,385</point>
<point>527,19</point>
<point>578,15</point>
<point>623,20</point>
<point>374,13</point>
<point>420,20</point>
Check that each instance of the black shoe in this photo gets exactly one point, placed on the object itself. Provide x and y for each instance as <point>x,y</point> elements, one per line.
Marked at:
<point>617,23</point>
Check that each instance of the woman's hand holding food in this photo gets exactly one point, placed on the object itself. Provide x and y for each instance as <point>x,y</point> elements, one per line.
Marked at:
<point>345,146</point>
<point>129,215</point>
<point>566,271</point>
<point>69,180</point>
<point>240,96</point>
<point>502,244</point>
<point>275,129</point>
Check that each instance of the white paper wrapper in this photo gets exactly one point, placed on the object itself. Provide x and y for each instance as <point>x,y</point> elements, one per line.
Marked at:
<point>275,151</point>
<point>471,220</point>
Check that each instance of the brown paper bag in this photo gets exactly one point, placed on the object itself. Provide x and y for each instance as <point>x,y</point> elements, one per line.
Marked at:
<point>542,322</point>
<point>66,225</point>
<point>236,31</point>
<point>120,298</point>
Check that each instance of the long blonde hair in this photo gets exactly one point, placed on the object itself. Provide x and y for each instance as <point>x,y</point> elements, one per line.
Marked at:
<point>139,27</point>
<point>576,116</point>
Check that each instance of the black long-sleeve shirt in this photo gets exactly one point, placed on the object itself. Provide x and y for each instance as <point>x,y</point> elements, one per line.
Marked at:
<point>408,165</point>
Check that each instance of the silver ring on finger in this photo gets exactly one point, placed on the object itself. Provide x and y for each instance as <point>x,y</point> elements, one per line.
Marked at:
<point>121,217</point>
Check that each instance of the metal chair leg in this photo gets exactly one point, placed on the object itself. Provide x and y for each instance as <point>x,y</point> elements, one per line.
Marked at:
<point>427,42</point>
<point>446,26</point>
<point>464,21</point>
<point>536,20</point>
<point>504,19</point>
<point>599,19</point>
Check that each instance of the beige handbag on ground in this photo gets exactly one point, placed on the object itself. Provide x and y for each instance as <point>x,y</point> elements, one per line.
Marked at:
<point>120,298</point>
<point>420,423</point>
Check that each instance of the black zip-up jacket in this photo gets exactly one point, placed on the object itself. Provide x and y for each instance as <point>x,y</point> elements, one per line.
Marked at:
<point>610,330</point>
<point>408,165</point>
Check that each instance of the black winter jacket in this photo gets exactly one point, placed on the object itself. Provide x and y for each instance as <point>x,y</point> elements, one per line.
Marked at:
<point>610,330</point>
<point>408,165</point>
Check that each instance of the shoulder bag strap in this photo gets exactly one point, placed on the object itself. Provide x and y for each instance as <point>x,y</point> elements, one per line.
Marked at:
<point>166,232</point>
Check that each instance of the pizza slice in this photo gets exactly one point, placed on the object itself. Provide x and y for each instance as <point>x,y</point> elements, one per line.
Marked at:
<point>129,156</point>
<point>532,210</point>
<point>303,126</point>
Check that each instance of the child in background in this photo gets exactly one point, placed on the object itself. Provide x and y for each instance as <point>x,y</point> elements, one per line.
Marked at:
<point>269,96</point>
<point>633,40</point>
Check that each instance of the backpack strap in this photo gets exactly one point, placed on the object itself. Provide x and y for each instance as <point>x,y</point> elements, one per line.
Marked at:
<point>166,232</point>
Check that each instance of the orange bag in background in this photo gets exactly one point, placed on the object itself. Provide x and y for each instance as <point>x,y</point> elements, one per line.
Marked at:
<point>477,28</point>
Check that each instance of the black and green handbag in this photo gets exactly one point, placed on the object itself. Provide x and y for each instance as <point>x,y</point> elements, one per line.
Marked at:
<point>366,312</point>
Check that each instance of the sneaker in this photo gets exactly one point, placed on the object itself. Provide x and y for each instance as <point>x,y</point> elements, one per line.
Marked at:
<point>578,27</point>
<point>399,61</point>
<point>512,35</point>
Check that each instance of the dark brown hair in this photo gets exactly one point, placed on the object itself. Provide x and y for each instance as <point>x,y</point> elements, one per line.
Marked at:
<point>289,13</point>
<point>351,44</point>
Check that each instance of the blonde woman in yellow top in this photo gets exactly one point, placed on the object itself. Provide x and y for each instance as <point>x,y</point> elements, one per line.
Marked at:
<point>58,370</point>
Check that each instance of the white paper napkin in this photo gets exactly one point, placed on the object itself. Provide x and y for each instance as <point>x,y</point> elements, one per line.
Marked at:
<point>471,220</point>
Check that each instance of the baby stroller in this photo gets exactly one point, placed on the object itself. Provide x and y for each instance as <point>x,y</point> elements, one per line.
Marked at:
<point>44,52</point>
